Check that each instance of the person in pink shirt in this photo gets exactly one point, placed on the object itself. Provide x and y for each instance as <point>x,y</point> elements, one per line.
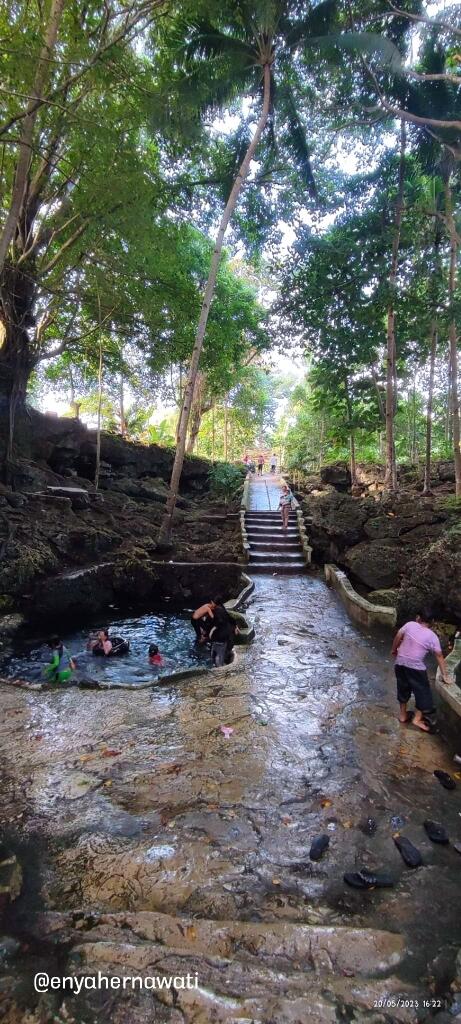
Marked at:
<point>411,645</point>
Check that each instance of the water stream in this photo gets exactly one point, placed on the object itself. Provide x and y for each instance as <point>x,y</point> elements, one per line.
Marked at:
<point>139,803</point>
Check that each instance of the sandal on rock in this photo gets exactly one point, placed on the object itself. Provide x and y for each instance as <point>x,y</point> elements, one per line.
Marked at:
<point>445,779</point>
<point>409,853</point>
<point>436,832</point>
<point>318,846</point>
<point>365,879</point>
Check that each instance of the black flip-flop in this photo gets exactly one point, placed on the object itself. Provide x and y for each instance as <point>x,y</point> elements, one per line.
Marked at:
<point>436,832</point>
<point>318,846</point>
<point>365,879</point>
<point>409,853</point>
<point>445,779</point>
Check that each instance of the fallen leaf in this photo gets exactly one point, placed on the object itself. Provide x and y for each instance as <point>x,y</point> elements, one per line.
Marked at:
<point>39,736</point>
<point>85,757</point>
<point>325,803</point>
<point>347,824</point>
<point>110,753</point>
<point>108,782</point>
<point>286,820</point>
<point>191,932</point>
<point>276,881</point>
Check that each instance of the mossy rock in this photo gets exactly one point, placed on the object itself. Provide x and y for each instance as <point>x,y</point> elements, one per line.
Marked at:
<point>385,598</point>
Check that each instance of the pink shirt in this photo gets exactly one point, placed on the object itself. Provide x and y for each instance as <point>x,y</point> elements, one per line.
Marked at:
<point>417,641</point>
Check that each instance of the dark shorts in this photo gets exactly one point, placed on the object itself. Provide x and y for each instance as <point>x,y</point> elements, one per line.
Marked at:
<point>414,681</point>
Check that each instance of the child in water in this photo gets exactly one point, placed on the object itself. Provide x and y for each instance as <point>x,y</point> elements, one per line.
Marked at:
<point>155,658</point>
<point>61,665</point>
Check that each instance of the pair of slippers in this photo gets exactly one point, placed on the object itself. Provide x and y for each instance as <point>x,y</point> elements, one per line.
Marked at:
<point>365,879</point>
<point>410,853</point>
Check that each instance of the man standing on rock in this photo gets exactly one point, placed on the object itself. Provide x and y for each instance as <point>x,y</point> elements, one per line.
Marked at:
<point>410,648</point>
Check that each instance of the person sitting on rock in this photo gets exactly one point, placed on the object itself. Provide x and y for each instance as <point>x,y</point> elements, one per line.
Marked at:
<point>61,665</point>
<point>155,658</point>
<point>411,645</point>
<point>202,620</point>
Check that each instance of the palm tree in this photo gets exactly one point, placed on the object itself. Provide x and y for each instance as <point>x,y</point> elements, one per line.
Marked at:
<point>254,47</point>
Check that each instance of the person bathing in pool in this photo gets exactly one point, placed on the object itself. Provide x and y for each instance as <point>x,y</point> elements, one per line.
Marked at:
<point>61,664</point>
<point>106,646</point>
<point>155,658</point>
<point>412,644</point>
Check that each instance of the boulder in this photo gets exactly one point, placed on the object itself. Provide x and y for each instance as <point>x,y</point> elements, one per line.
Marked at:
<point>379,564</point>
<point>340,517</point>
<point>337,474</point>
<point>434,580</point>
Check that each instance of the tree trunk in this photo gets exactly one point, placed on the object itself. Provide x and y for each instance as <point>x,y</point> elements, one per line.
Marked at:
<point>430,399</point>
<point>196,413</point>
<point>353,463</point>
<point>390,480</point>
<point>16,359</point>
<point>26,134</point>
<point>213,434</point>
<point>98,429</point>
<point>453,336</point>
<point>122,407</point>
<point>165,530</point>
<point>225,431</point>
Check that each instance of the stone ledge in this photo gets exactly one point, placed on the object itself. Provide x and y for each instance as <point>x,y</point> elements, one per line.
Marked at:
<point>449,697</point>
<point>358,607</point>
<point>307,550</point>
<point>245,494</point>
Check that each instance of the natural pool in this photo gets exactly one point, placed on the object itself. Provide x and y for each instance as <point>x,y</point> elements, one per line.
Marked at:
<point>173,635</point>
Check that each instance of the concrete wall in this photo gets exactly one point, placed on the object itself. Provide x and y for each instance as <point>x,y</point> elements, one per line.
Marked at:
<point>358,607</point>
<point>448,698</point>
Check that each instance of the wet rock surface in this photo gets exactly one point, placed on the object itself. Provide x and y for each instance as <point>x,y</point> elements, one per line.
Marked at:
<point>154,843</point>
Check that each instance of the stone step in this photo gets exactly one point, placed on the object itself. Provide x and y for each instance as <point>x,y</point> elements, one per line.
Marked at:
<point>269,971</point>
<point>270,536</point>
<point>279,569</point>
<point>272,555</point>
<point>277,544</point>
<point>271,517</point>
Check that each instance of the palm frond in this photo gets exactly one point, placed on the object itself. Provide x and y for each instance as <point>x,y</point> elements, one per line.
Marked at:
<point>320,21</point>
<point>205,42</point>
<point>366,43</point>
<point>296,139</point>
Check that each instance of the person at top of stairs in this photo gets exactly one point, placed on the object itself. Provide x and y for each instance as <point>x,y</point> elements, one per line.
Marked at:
<point>286,503</point>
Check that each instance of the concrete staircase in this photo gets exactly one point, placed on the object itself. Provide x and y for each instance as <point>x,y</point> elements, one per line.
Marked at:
<point>273,549</point>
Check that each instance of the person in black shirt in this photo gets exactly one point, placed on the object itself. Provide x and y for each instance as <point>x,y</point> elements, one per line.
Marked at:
<point>221,634</point>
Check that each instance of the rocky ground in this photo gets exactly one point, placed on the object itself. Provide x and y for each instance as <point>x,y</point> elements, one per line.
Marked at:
<point>152,843</point>
<point>45,534</point>
<point>404,549</point>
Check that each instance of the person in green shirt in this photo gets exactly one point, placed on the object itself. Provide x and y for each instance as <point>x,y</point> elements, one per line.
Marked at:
<point>61,665</point>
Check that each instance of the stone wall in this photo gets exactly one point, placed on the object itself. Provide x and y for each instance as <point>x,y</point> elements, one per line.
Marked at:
<point>82,594</point>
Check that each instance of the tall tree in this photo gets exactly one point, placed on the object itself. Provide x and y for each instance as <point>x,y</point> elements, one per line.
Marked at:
<point>391,351</point>
<point>247,47</point>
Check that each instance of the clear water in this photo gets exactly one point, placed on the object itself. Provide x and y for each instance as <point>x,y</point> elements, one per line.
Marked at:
<point>173,635</point>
